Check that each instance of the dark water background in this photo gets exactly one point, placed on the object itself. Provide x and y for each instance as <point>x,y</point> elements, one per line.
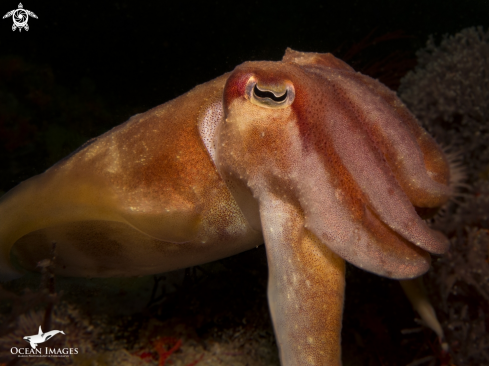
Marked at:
<point>145,53</point>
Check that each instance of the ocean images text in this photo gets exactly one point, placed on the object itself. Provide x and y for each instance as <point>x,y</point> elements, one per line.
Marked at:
<point>48,352</point>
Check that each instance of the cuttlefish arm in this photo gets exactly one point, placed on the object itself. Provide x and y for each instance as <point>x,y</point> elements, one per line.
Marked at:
<point>326,155</point>
<point>324,163</point>
<point>306,288</point>
<point>299,127</point>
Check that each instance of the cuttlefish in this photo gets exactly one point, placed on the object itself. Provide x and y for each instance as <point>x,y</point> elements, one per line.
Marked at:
<point>320,162</point>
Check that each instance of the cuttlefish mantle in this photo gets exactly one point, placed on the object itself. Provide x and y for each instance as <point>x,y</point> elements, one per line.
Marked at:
<point>322,163</point>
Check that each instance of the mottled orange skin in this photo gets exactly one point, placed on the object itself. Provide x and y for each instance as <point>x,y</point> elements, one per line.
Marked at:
<point>334,168</point>
<point>143,198</point>
<point>336,139</point>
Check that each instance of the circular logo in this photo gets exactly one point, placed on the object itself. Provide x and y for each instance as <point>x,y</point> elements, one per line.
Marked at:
<point>20,17</point>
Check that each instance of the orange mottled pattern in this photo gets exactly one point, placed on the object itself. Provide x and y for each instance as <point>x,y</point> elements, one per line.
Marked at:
<point>345,165</point>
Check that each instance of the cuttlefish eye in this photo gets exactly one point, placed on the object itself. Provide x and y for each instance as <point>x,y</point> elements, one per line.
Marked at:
<point>270,95</point>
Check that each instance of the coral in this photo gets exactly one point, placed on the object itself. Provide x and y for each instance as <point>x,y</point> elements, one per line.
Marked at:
<point>448,92</point>
<point>460,279</point>
<point>473,211</point>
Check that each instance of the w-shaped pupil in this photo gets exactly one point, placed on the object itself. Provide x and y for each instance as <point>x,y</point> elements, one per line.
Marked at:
<point>266,94</point>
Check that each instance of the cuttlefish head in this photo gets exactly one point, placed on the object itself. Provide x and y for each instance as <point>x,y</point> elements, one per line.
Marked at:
<point>344,150</point>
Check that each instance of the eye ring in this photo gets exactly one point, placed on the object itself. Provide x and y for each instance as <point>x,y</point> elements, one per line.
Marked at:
<point>270,95</point>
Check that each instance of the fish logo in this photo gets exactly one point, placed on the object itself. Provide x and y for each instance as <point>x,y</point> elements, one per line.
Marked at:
<point>20,17</point>
<point>41,337</point>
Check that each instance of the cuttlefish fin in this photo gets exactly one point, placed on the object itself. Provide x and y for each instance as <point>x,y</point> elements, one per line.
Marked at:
<point>305,288</point>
